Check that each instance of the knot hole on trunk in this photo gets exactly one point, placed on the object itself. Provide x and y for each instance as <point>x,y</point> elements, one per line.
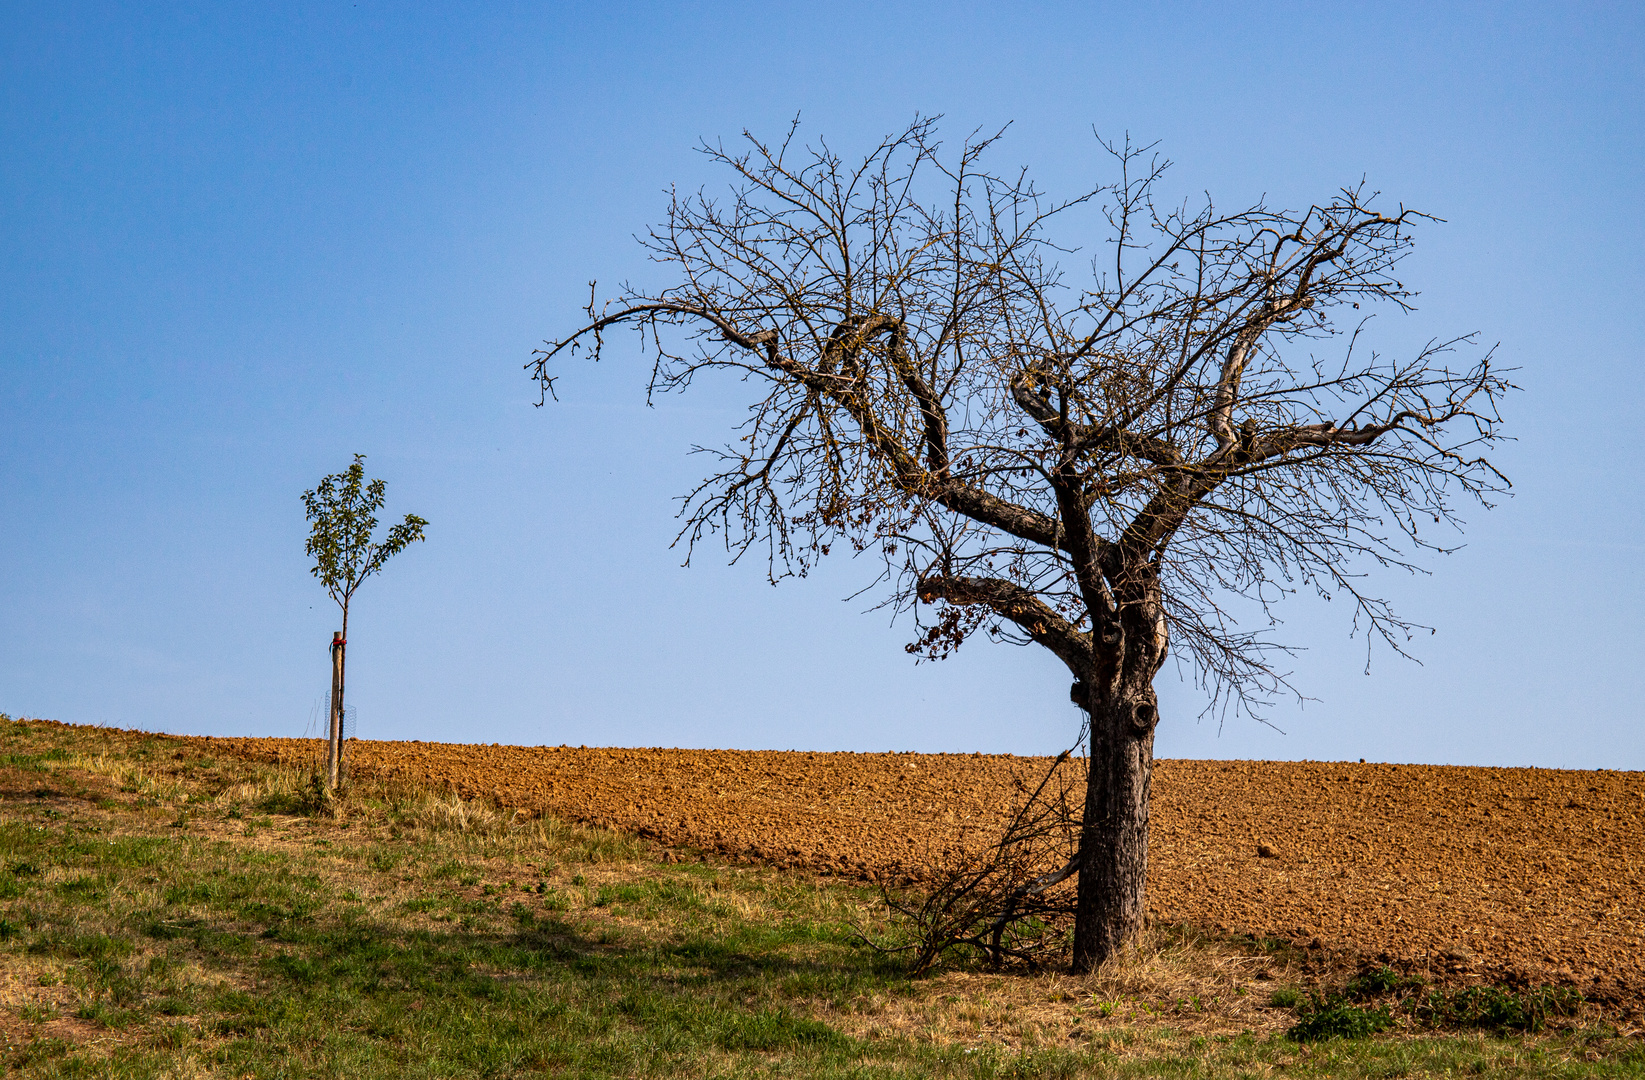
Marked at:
<point>1144,716</point>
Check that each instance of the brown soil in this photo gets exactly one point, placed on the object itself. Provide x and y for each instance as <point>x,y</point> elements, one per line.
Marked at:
<point>1501,873</point>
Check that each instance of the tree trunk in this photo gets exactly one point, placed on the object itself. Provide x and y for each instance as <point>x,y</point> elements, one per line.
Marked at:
<point>1113,873</point>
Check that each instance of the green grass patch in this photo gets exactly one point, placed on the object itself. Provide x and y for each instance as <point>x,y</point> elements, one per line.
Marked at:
<point>1323,1016</point>
<point>1377,999</point>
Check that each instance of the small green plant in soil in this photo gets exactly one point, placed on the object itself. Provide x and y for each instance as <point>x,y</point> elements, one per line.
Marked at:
<point>1286,997</point>
<point>1330,1016</point>
<point>1344,1014</point>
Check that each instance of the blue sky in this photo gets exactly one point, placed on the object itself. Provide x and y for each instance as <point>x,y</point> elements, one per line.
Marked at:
<point>239,244</point>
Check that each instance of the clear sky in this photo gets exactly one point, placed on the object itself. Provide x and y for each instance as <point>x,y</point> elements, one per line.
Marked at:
<point>240,243</point>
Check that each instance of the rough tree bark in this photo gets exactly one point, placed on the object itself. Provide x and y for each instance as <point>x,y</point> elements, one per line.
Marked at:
<point>1106,471</point>
<point>1113,855</point>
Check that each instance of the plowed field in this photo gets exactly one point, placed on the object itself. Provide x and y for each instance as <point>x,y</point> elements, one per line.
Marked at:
<point>1534,873</point>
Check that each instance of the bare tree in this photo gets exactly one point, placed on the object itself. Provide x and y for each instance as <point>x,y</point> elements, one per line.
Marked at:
<point>1104,466</point>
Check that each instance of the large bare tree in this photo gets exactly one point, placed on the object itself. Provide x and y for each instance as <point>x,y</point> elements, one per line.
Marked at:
<point>1106,463</point>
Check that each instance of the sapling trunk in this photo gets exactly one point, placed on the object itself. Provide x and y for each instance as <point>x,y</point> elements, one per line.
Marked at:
<point>334,740</point>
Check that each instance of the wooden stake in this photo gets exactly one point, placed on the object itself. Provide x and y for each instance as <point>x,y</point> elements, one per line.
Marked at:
<point>334,746</point>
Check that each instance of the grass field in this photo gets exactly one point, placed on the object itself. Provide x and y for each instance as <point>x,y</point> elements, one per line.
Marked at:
<point>165,914</point>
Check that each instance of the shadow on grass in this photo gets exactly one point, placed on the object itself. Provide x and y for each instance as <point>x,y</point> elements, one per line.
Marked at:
<point>254,964</point>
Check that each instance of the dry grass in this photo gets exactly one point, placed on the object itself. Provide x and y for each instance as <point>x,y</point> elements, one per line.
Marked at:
<point>236,789</point>
<point>1178,979</point>
<point>132,777</point>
